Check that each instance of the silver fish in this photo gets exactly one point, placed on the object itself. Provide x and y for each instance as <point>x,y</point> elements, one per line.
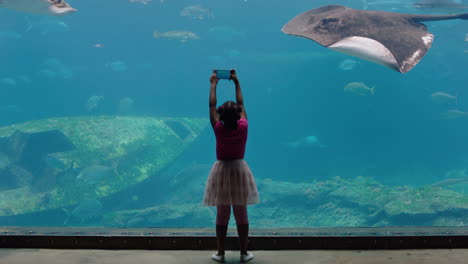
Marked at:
<point>196,12</point>
<point>448,182</point>
<point>180,35</point>
<point>145,2</point>
<point>41,7</point>
<point>443,98</point>
<point>359,88</point>
<point>96,174</point>
<point>93,103</point>
<point>348,64</point>
<point>453,114</point>
<point>117,66</point>
<point>54,161</point>
<point>306,142</point>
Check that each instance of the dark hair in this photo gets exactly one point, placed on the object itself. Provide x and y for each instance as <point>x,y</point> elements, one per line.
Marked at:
<point>229,114</point>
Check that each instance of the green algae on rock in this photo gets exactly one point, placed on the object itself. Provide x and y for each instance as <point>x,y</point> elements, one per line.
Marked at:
<point>137,147</point>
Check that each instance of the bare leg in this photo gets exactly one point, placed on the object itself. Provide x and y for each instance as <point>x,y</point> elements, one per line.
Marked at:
<point>222,221</point>
<point>240,213</point>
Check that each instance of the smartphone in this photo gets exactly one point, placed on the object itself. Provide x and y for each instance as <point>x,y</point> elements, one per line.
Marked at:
<point>223,74</point>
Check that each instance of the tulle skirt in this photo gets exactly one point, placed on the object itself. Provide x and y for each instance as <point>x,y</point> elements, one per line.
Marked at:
<point>230,183</point>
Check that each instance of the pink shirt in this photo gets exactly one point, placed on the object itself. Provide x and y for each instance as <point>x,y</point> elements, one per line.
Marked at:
<point>230,143</point>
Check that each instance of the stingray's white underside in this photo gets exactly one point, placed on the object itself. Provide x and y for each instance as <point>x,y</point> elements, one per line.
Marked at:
<point>367,49</point>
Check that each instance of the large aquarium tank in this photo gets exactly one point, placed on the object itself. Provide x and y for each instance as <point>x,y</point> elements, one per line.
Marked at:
<point>104,117</point>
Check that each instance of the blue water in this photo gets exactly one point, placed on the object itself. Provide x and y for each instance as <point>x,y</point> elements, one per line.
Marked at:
<point>292,87</point>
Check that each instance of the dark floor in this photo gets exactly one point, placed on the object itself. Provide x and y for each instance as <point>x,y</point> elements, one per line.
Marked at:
<point>53,256</point>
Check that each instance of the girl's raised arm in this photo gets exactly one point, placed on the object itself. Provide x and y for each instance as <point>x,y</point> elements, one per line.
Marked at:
<point>239,97</point>
<point>214,118</point>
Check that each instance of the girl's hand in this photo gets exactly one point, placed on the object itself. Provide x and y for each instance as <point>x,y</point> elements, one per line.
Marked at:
<point>214,79</point>
<point>234,77</point>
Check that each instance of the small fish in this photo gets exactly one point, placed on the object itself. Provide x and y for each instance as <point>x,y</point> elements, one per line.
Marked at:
<point>196,12</point>
<point>97,45</point>
<point>359,88</point>
<point>180,35</point>
<point>117,66</point>
<point>95,174</point>
<point>41,7</point>
<point>443,98</point>
<point>466,37</point>
<point>308,142</point>
<point>448,182</point>
<point>93,103</point>
<point>453,114</point>
<point>86,210</point>
<point>348,64</point>
<point>144,2</point>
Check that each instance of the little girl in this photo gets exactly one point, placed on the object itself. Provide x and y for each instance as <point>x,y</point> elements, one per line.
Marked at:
<point>230,181</point>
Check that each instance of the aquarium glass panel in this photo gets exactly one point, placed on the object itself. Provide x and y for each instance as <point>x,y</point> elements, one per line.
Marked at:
<point>357,112</point>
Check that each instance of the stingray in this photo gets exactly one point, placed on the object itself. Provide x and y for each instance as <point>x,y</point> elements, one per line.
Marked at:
<point>42,7</point>
<point>395,40</point>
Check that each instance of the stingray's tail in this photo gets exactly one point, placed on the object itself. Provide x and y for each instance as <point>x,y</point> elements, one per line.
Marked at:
<point>422,18</point>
